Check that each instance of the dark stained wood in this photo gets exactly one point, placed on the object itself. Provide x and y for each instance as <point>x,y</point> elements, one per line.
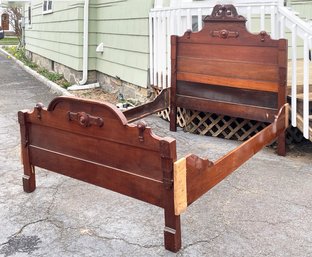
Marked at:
<point>160,103</point>
<point>233,53</point>
<point>228,94</point>
<point>202,174</point>
<point>29,181</point>
<point>173,89</point>
<point>230,69</point>
<point>94,142</point>
<point>121,181</point>
<point>228,82</point>
<point>226,108</point>
<point>225,54</point>
<point>172,231</point>
<point>138,163</point>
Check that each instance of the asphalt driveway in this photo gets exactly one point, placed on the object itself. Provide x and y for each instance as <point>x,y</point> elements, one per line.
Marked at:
<point>262,209</point>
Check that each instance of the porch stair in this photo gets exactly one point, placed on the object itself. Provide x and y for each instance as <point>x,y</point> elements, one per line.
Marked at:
<point>300,96</point>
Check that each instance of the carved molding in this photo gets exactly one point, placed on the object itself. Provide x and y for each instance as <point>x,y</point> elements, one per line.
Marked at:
<point>225,13</point>
<point>39,107</point>
<point>85,119</point>
<point>224,34</point>
<point>141,127</point>
<point>263,35</point>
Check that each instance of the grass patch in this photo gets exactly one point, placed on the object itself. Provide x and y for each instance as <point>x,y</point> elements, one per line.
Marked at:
<point>9,41</point>
<point>19,53</point>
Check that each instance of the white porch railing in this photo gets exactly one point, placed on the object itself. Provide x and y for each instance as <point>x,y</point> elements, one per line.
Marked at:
<point>269,15</point>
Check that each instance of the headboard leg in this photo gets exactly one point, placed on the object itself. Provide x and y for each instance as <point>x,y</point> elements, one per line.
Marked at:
<point>173,118</point>
<point>281,144</point>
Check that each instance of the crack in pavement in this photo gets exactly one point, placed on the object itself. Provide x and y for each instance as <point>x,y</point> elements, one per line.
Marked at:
<point>267,222</point>
<point>123,240</point>
<point>181,253</point>
<point>54,197</point>
<point>20,231</point>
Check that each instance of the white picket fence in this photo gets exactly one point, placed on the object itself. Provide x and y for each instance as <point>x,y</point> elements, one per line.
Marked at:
<point>268,15</point>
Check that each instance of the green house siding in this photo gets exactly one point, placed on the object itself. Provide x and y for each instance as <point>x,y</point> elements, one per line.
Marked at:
<point>122,26</point>
<point>59,35</point>
<point>303,7</point>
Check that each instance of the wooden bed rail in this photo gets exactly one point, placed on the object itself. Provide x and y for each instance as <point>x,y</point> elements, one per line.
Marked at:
<point>201,174</point>
<point>160,103</point>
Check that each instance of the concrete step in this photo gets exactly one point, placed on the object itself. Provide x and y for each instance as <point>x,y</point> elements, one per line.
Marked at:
<point>299,90</point>
<point>300,96</point>
<point>300,103</point>
<point>300,125</point>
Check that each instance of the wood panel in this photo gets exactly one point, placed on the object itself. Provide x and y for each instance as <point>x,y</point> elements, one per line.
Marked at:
<point>228,82</point>
<point>228,94</point>
<point>228,68</point>
<point>260,55</point>
<point>139,187</point>
<point>231,109</point>
<point>143,161</point>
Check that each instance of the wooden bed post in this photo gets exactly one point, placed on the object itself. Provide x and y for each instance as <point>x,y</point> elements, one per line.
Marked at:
<point>29,179</point>
<point>282,92</point>
<point>172,231</point>
<point>281,144</point>
<point>173,105</point>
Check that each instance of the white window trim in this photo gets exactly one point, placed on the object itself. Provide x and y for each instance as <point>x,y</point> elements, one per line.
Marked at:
<point>48,10</point>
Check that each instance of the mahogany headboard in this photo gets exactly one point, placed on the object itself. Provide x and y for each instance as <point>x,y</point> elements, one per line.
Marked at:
<point>224,69</point>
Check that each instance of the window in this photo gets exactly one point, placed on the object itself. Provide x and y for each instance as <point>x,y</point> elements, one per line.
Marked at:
<point>47,6</point>
<point>29,15</point>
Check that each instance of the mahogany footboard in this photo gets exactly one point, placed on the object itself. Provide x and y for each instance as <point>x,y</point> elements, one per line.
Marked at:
<point>93,142</point>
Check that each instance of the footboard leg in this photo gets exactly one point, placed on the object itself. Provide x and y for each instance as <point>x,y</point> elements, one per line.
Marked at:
<point>281,144</point>
<point>173,118</point>
<point>172,232</point>
<point>29,179</point>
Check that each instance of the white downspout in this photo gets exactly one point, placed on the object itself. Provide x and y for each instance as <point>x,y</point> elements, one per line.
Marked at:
<point>85,43</point>
<point>85,58</point>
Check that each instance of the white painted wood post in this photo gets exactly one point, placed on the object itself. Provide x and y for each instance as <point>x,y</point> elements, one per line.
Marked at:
<point>169,31</point>
<point>306,87</point>
<point>151,48</point>
<point>262,18</point>
<point>158,4</point>
<point>188,19</point>
<point>273,22</point>
<point>249,18</point>
<point>282,27</point>
<point>294,75</point>
<point>199,19</point>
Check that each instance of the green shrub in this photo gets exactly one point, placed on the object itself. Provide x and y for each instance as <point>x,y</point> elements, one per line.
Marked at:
<point>65,84</point>
<point>20,54</point>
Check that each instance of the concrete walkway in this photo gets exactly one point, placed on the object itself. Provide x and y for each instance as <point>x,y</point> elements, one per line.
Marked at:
<point>263,209</point>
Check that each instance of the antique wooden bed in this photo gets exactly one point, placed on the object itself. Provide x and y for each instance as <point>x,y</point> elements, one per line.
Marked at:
<point>222,69</point>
